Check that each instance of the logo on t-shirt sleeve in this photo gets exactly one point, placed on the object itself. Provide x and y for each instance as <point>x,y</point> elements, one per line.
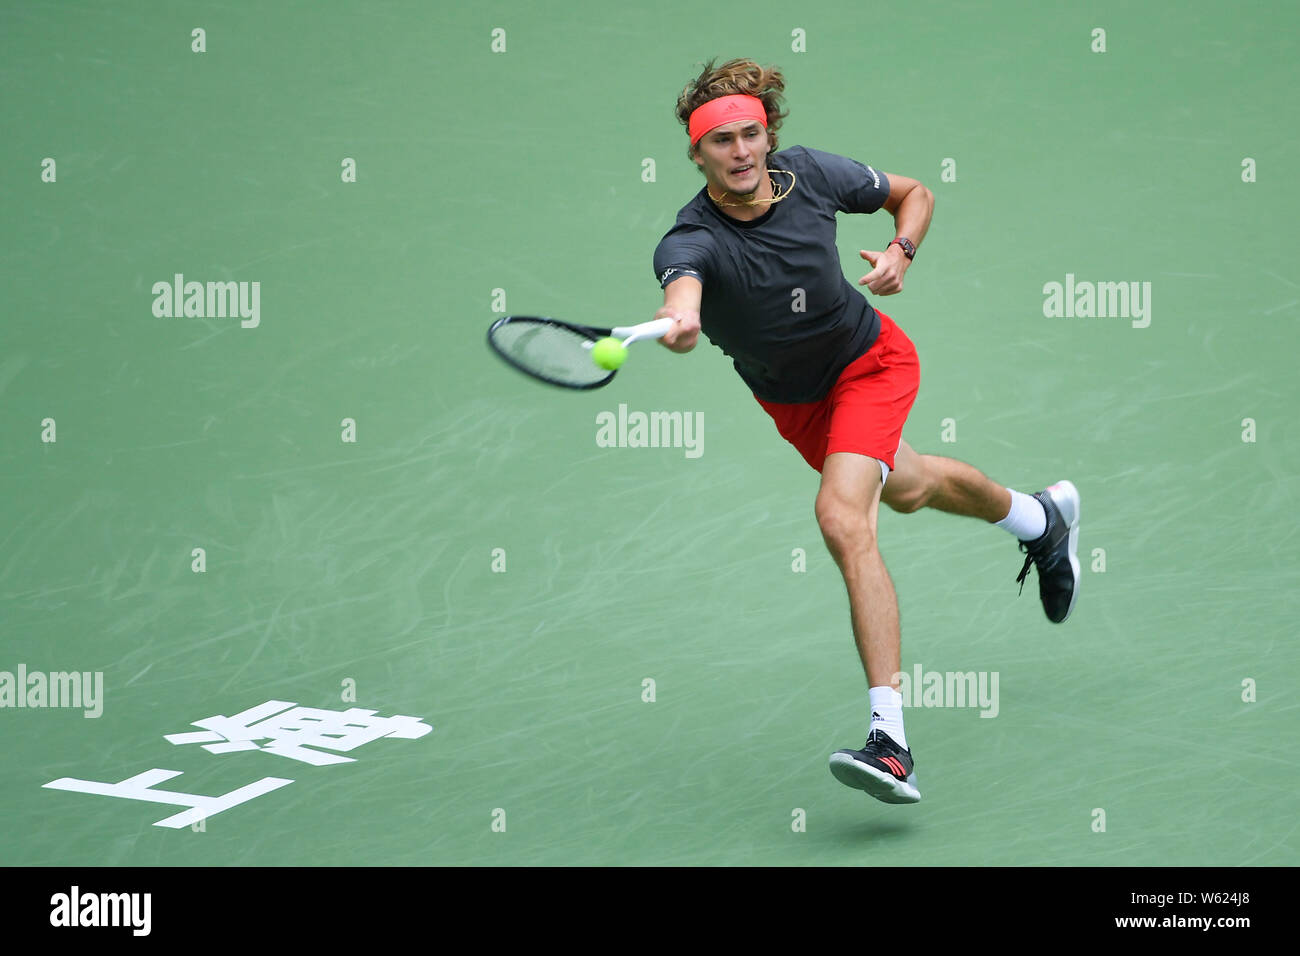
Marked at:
<point>675,273</point>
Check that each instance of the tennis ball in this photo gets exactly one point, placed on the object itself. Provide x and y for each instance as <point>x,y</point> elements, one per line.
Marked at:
<point>609,353</point>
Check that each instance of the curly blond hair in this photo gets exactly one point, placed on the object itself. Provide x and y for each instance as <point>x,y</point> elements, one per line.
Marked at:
<point>734,76</point>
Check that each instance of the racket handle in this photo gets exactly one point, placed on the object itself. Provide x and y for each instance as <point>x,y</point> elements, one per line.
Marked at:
<point>654,329</point>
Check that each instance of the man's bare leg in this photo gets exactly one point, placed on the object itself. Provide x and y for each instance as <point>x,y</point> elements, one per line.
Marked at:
<point>929,481</point>
<point>848,504</point>
<point>1046,522</point>
<point>847,508</point>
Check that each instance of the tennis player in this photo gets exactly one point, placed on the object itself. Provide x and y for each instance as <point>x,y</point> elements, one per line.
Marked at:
<point>752,262</point>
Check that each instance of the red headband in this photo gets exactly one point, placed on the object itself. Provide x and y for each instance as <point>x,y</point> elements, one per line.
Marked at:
<point>723,110</point>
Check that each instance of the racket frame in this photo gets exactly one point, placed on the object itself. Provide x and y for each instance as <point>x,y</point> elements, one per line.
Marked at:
<point>654,329</point>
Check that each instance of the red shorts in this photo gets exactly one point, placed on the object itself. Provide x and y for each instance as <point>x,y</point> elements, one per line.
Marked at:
<point>866,408</point>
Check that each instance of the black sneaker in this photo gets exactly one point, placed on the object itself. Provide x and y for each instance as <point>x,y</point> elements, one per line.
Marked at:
<point>881,767</point>
<point>1056,552</point>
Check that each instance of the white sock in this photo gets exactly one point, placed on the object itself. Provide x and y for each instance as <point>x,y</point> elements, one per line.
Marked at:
<point>887,713</point>
<point>1027,520</point>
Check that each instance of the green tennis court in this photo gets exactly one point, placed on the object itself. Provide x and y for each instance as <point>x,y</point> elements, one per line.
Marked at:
<point>630,651</point>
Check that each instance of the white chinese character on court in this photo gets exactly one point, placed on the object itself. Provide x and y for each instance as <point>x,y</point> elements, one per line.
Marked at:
<point>295,730</point>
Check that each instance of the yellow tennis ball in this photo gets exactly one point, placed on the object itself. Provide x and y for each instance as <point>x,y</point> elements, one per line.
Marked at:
<point>609,353</point>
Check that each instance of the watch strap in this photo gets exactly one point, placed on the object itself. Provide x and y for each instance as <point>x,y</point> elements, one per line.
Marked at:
<point>909,249</point>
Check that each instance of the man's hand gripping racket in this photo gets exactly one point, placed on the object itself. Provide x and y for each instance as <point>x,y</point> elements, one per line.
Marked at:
<point>685,330</point>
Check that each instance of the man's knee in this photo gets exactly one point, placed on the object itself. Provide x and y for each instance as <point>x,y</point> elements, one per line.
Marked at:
<point>844,523</point>
<point>906,500</point>
<point>910,490</point>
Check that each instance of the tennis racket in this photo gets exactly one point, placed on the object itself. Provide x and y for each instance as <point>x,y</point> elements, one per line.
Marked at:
<point>559,353</point>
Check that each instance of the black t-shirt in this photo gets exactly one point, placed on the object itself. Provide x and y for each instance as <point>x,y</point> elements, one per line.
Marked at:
<point>775,299</point>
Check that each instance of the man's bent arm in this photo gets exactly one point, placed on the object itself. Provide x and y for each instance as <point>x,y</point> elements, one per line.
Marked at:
<point>911,205</point>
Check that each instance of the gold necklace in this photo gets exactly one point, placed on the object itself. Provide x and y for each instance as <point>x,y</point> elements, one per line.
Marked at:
<point>777,193</point>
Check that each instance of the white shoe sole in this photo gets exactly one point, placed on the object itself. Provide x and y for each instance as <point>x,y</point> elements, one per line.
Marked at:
<point>1066,498</point>
<point>884,787</point>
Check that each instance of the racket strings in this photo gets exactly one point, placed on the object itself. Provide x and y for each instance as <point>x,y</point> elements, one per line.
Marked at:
<point>553,352</point>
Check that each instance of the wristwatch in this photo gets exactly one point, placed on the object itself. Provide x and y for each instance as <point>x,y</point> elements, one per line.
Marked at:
<point>909,249</point>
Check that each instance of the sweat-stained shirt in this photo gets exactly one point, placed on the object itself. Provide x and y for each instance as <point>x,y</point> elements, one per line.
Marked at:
<point>775,299</point>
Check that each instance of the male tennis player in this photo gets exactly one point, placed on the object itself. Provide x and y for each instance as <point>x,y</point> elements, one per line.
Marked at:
<point>752,262</point>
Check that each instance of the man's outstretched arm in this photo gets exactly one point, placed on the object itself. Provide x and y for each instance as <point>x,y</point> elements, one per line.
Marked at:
<point>682,302</point>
